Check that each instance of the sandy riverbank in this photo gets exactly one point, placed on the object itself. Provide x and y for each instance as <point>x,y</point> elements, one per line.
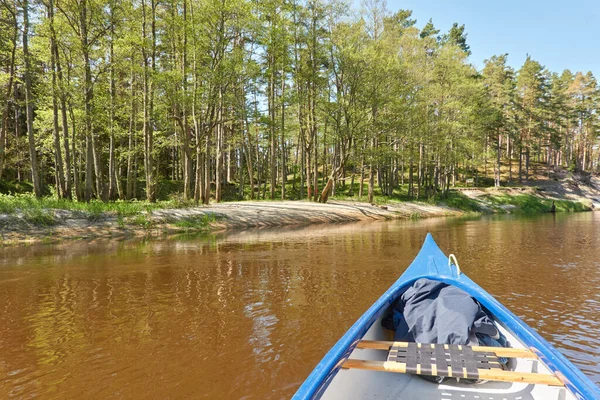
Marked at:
<point>216,217</point>
<point>570,192</point>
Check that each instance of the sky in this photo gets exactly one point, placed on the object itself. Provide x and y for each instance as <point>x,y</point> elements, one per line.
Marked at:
<point>560,34</point>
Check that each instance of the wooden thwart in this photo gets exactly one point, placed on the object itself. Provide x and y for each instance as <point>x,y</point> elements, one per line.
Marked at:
<point>499,351</point>
<point>486,374</point>
<point>478,362</point>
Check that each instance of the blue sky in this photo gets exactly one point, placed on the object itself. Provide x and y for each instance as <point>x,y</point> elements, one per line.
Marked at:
<point>560,34</point>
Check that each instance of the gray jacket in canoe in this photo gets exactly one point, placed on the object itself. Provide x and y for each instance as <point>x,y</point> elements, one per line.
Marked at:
<point>435,312</point>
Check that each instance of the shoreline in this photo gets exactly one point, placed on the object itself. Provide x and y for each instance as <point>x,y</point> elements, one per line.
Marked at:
<point>26,220</point>
<point>215,218</point>
<point>244,215</point>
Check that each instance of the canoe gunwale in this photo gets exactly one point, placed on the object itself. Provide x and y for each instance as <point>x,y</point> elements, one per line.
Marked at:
<point>431,263</point>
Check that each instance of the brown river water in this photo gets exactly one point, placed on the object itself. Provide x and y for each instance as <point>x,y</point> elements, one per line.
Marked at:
<point>248,315</point>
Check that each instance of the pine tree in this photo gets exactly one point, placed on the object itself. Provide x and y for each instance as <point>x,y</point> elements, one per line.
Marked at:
<point>429,30</point>
<point>499,80</point>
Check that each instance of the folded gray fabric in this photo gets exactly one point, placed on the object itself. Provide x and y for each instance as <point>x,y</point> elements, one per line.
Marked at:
<point>435,312</point>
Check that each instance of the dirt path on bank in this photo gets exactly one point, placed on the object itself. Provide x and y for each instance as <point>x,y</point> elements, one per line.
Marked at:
<point>219,217</point>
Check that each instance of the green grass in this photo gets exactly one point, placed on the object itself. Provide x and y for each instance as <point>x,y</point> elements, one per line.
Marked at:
<point>523,203</point>
<point>141,220</point>
<point>195,222</point>
<point>12,204</point>
<point>39,212</point>
<point>527,203</point>
<point>36,217</point>
<point>15,187</point>
<point>39,217</point>
<point>459,201</point>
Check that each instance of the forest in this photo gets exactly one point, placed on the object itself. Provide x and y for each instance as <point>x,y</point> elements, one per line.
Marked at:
<point>213,100</point>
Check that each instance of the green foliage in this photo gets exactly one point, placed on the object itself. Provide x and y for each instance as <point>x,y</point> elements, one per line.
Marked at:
<point>39,218</point>
<point>141,220</point>
<point>527,203</point>
<point>459,201</point>
<point>195,222</point>
<point>195,90</point>
<point>15,187</point>
<point>429,30</point>
<point>458,37</point>
<point>94,210</point>
<point>572,165</point>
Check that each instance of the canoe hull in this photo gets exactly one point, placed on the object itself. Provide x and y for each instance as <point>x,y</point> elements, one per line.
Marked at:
<point>432,263</point>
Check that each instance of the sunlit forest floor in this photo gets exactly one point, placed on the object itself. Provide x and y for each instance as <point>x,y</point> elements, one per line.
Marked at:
<point>23,218</point>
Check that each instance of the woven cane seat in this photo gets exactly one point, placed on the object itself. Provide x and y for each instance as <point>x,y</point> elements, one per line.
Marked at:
<point>448,360</point>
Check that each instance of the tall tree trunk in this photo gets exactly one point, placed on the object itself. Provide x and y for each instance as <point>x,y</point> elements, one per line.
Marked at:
<point>100,190</point>
<point>88,98</point>
<point>509,150</point>
<point>187,136</point>
<point>283,149</point>
<point>316,156</point>
<point>520,162</point>
<point>272,131</point>
<point>199,189</point>
<point>308,173</point>
<point>420,170</point>
<point>9,87</point>
<point>64,117</point>
<point>219,149</point>
<point>206,197</point>
<point>229,156</point>
<point>362,171</point>
<point>35,177</point>
<point>248,144</point>
<point>79,191</point>
<point>527,163</point>
<point>498,164</point>
<point>151,181</point>
<point>297,79</point>
<point>59,172</point>
<point>411,177</point>
<point>112,175</point>
<point>371,173</point>
<point>302,178</point>
<point>149,101</point>
<point>129,192</point>
<point>327,190</point>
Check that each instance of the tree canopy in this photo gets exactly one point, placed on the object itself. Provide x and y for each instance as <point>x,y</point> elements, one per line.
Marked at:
<point>218,99</point>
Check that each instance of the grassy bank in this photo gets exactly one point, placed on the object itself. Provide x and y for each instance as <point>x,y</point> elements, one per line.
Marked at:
<point>502,203</point>
<point>495,202</point>
<point>12,203</point>
<point>26,209</point>
<point>22,211</point>
<point>527,203</point>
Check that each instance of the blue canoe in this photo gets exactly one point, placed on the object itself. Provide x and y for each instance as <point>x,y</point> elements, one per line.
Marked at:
<point>329,381</point>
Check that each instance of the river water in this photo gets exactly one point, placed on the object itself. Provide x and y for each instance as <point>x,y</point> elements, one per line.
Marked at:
<point>248,315</point>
